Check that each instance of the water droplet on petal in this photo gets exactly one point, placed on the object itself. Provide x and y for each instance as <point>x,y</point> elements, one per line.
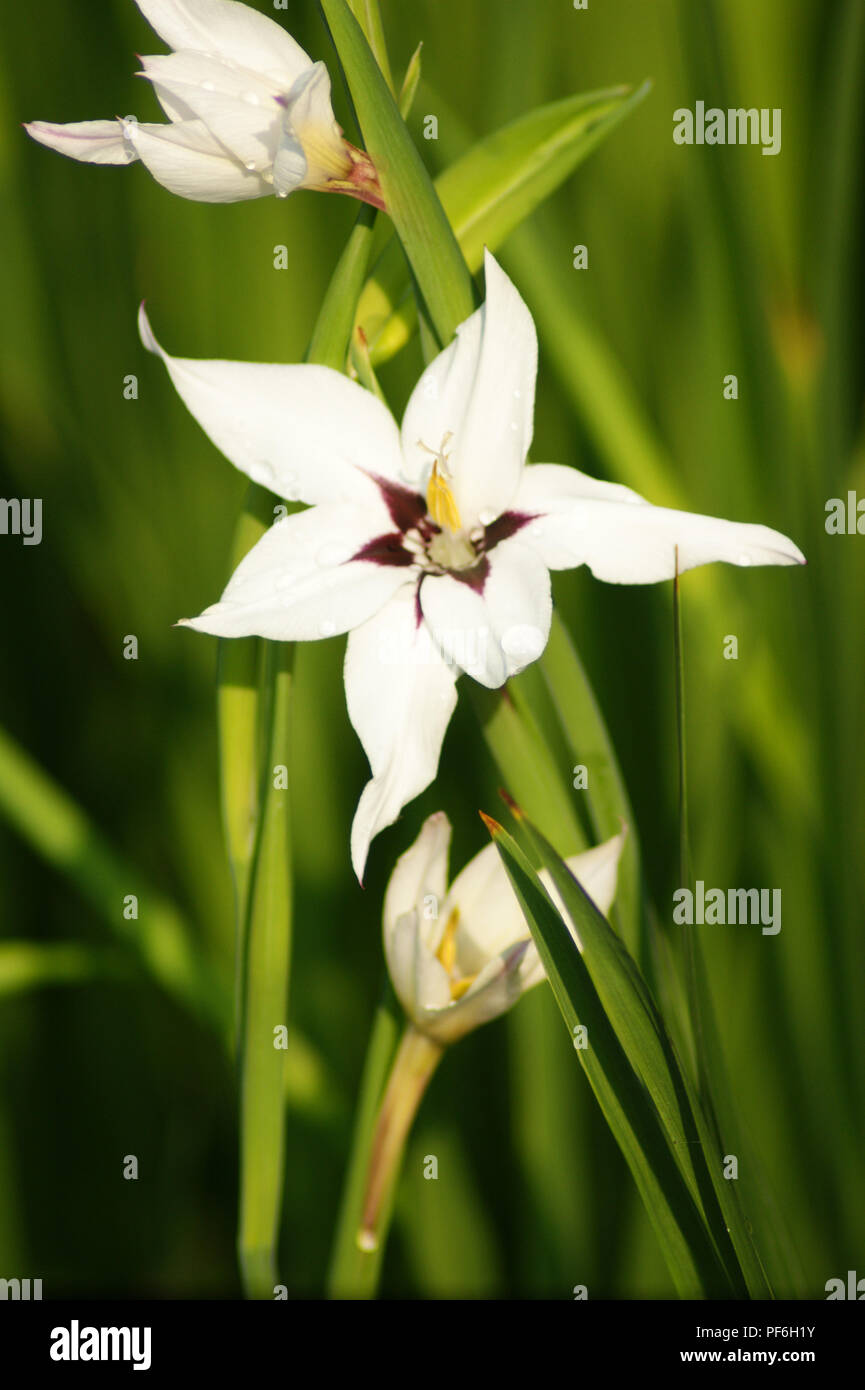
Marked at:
<point>251,98</point>
<point>250,166</point>
<point>327,628</point>
<point>282,193</point>
<point>744,561</point>
<point>486,517</point>
<point>514,425</point>
<point>517,394</point>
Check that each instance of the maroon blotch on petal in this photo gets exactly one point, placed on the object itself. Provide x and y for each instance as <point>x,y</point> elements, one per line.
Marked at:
<point>407,508</point>
<point>476,577</point>
<point>505,526</point>
<point>385,550</point>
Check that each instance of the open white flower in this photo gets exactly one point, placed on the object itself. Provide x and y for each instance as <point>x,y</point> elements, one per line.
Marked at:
<point>249,112</point>
<point>432,547</point>
<point>462,955</point>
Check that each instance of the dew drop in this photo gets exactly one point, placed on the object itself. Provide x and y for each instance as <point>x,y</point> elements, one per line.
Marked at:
<point>251,98</point>
<point>327,628</point>
<point>250,166</point>
<point>282,193</point>
<point>744,561</point>
<point>514,425</point>
<point>486,517</point>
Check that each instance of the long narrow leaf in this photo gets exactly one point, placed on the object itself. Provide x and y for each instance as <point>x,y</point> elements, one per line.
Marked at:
<point>640,1028</point>
<point>633,1118</point>
<point>489,192</point>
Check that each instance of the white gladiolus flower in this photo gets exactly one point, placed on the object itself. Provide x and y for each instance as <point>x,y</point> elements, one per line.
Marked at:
<point>248,111</point>
<point>462,955</point>
<point>431,546</point>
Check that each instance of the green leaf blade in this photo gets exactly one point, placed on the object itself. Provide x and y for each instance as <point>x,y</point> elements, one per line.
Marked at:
<point>489,191</point>
<point>627,1106</point>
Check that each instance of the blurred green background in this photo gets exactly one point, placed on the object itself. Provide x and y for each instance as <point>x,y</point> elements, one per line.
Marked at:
<point>702,262</point>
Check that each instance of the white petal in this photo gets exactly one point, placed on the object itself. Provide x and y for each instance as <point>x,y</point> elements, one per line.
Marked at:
<point>400,696</point>
<point>187,160</point>
<point>625,540</point>
<point>93,142</point>
<point>420,980</point>
<point>596,870</point>
<point>234,31</point>
<point>490,918</point>
<point>481,389</point>
<point>309,122</point>
<point>547,486</point>
<point>305,432</point>
<point>289,163</point>
<point>299,583</point>
<point>494,633</point>
<point>239,108</point>
<point>497,989</point>
<point>419,879</point>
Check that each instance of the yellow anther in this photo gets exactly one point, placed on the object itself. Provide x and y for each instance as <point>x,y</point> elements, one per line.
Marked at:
<point>441,504</point>
<point>460,987</point>
<point>447,954</point>
<point>447,951</point>
<point>440,501</point>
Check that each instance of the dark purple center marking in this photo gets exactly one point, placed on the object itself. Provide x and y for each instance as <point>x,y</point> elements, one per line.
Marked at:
<point>505,526</point>
<point>407,509</point>
<point>386,550</point>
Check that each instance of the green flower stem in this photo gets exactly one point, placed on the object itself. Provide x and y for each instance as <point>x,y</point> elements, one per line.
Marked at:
<point>412,1071</point>
<point>265,974</point>
<point>354,1273</point>
<point>368,16</point>
<point>330,339</point>
<point>377,1164</point>
<point>419,219</point>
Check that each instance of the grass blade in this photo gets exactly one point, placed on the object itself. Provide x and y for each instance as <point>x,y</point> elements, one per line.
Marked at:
<point>606,795</point>
<point>640,1028</point>
<point>51,822</point>
<point>32,965</point>
<point>267,960</point>
<point>489,192</point>
<point>633,1118</point>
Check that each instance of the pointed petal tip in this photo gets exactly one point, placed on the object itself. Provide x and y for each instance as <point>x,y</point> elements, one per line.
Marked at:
<point>145,332</point>
<point>513,957</point>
